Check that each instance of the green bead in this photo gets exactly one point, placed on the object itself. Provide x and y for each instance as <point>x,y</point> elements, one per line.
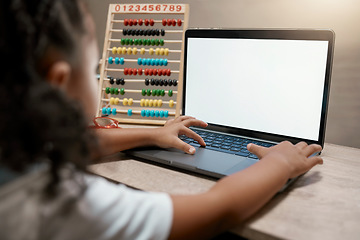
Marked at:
<point>107,90</point>
<point>170,93</point>
<point>131,41</point>
<point>148,42</point>
<point>162,92</point>
<point>123,41</point>
<point>116,91</point>
<point>144,42</point>
<point>140,41</point>
<point>122,91</point>
<point>153,92</point>
<point>152,42</point>
<point>136,41</point>
<point>158,92</point>
<point>143,92</point>
<point>161,42</point>
<point>127,41</point>
<point>148,92</point>
<point>112,90</point>
<point>157,42</point>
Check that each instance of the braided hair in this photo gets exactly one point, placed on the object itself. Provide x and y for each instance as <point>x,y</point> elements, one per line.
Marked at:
<point>37,121</point>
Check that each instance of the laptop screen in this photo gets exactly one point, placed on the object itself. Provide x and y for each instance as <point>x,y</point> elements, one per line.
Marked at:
<point>268,85</point>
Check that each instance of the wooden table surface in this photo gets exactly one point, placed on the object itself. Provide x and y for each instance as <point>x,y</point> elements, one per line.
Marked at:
<point>322,204</point>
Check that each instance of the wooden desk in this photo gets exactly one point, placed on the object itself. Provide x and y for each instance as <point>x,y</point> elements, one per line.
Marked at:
<point>322,204</point>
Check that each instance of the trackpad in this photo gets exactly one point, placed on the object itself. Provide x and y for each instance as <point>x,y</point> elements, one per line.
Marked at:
<point>240,166</point>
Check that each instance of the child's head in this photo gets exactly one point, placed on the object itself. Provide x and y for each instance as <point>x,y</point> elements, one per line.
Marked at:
<point>50,57</point>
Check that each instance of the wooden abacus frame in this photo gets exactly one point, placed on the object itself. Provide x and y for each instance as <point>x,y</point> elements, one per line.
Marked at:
<point>148,10</point>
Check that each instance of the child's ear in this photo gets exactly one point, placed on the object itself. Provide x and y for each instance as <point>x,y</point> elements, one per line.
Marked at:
<point>59,74</point>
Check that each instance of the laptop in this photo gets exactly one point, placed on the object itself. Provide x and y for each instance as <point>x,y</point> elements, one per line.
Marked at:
<point>250,85</point>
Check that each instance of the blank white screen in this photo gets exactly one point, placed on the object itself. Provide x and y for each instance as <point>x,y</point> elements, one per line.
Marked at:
<point>266,85</point>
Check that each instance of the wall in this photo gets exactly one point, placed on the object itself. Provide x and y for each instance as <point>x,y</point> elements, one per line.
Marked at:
<point>343,125</point>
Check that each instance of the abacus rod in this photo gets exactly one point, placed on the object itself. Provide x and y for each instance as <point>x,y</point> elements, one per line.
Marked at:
<point>147,50</point>
<point>155,21</point>
<point>165,41</point>
<point>166,31</point>
<point>121,70</point>
<point>128,80</point>
<point>135,60</point>
<point>139,91</point>
<point>137,112</point>
<point>135,101</point>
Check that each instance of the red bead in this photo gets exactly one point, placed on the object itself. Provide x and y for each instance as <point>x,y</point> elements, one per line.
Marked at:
<point>164,22</point>
<point>130,71</point>
<point>169,22</point>
<point>173,22</point>
<point>146,22</point>
<point>130,22</point>
<point>164,72</point>
<point>168,72</point>
<point>140,22</point>
<point>140,71</point>
<point>126,22</point>
<point>150,72</point>
<point>146,71</point>
<point>125,71</point>
<point>160,72</point>
<point>135,22</point>
<point>155,71</point>
<point>151,22</point>
<point>134,71</point>
<point>179,22</point>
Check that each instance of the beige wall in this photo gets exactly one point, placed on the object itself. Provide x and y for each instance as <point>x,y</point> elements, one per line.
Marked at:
<point>343,125</point>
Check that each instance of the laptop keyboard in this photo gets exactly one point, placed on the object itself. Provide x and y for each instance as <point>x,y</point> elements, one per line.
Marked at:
<point>225,143</point>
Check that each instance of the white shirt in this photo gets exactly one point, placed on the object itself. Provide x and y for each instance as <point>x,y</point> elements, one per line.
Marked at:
<point>103,211</point>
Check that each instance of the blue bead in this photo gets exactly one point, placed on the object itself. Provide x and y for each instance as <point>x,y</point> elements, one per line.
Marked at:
<point>161,62</point>
<point>143,61</point>
<point>103,111</point>
<point>114,111</point>
<point>129,112</point>
<point>143,113</point>
<point>165,62</point>
<point>147,112</point>
<point>153,62</point>
<point>122,61</point>
<point>110,60</point>
<point>157,113</point>
<point>152,113</point>
<point>148,61</point>
<point>161,113</point>
<point>139,61</point>
<point>157,62</point>
<point>108,111</point>
<point>117,60</point>
<point>166,114</point>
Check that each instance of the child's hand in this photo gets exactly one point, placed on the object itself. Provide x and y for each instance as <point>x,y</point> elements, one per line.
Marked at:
<point>169,136</point>
<point>296,157</point>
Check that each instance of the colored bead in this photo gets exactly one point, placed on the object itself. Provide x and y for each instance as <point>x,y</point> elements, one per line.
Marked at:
<point>139,61</point>
<point>116,91</point>
<point>108,111</point>
<point>170,93</point>
<point>152,62</point>
<point>126,21</point>
<point>165,62</point>
<point>130,22</point>
<point>134,71</point>
<point>166,51</point>
<point>165,82</point>
<point>122,41</point>
<point>148,61</point>
<point>140,22</point>
<point>157,114</point>
<point>162,42</point>
<point>142,102</point>
<point>114,50</point>
<point>135,22</point>
<point>143,61</point>
<point>136,41</point>
<point>148,92</point>
<point>171,103</point>
<point>112,100</point>
<point>151,51</point>
<point>161,113</point>
<point>155,103</point>
<point>114,111</point>
<point>117,60</point>
<point>129,112</point>
<point>164,72</point>
<point>174,82</point>
<point>146,102</point>
<point>157,51</point>
<point>166,114</point>
<point>161,62</point>
<point>122,61</point>
<point>160,103</point>
<point>134,51</point>
<point>152,113</point>
<point>151,72</point>
<point>153,92</point>
<point>116,101</point>
<point>173,22</point>
<point>163,22</point>
<point>123,51</point>
<point>142,51</point>
<point>127,40</point>
<point>179,22</point>
<point>151,22</point>
<point>155,72</point>
<point>125,32</point>
<point>110,60</point>
<point>161,83</point>
<point>147,81</point>
<point>107,90</point>
<point>122,91</point>
<point>140,41</point>
<point>111,80</point>
<point>147,113</point>
<point>103,111</point>
<point>143,113</point>
<point>129,51</point>
<point>152,82</point>
<point>162,92</point>
<point>157,61</point>
<point>151,103</point>
<point>170,82</point>
<point>161,51</point>
<point>112,90</point>
<point>169,22</point>
<point>119,50</point>
<point>168,72</point>
<point>158,92</point>
<point>162,32</point>
<point>140,71</point>
<point>143,92</point>
<point>125,101</point>
<point>131,101</point>
<point>146,22</point>
<point>157,42</point>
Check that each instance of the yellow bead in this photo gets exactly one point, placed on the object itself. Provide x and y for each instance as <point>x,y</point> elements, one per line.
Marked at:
<point>129,51</point>
<point>155,103</point>
<point>123,51</point>
<point>146,102</point>
<point>134,50</point>
<point>119,50</point>
<point>112,101</point>
<point>142,102</point>
<point>159,103</point>
<point>157,51</point>
<point>131,101</point>
<point>171,103</point>
<point>114,50</point>
<point>166,51</point>
<point>116,101</point>
<point>151,103</point>
<point>151,51</point>
<point>142,51</point>
<point>125,101</point>
<point>162,51</point>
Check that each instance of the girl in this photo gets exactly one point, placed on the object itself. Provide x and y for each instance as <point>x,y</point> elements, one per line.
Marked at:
<point>47,91</point>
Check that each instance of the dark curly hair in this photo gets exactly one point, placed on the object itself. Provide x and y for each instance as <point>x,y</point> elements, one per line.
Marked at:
<point>37,121</point>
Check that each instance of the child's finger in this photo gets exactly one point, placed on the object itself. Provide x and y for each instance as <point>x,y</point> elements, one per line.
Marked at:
<point>194,122</point>
<point>314,161</point>
<point>301,145</point>
<point>184,146</point>
<point>311,149</point>
<point>191,134</point>
<point>257,150</point>
<point>183,118</point>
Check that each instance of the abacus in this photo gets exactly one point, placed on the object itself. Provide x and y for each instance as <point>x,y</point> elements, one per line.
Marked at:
<point>141,66</point>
